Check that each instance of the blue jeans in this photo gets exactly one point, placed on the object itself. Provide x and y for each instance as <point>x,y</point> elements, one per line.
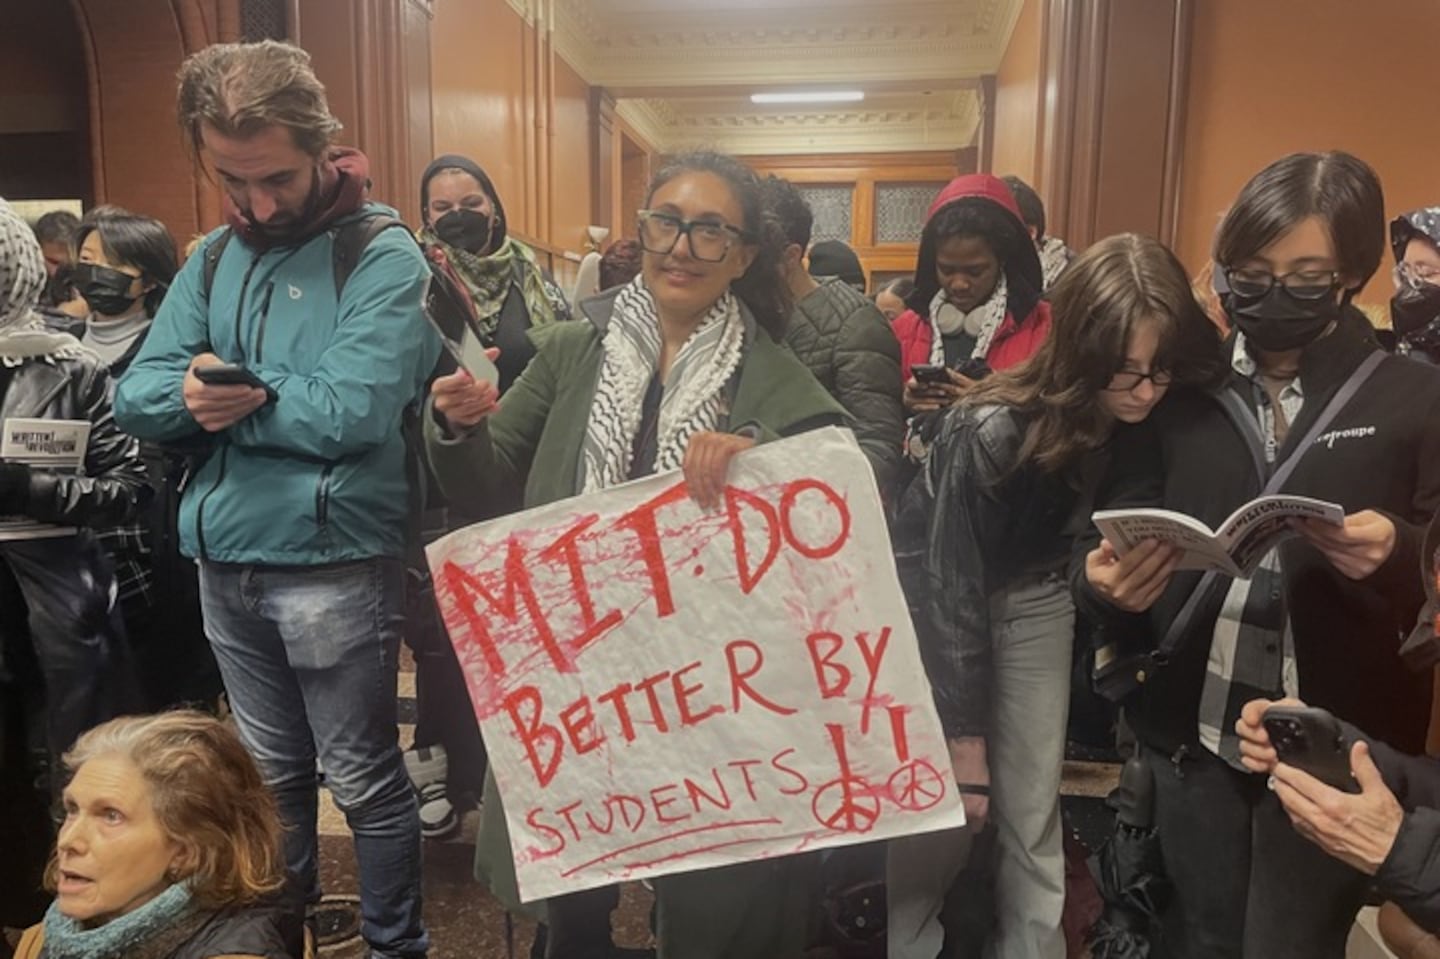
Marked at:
<point>308,655</point>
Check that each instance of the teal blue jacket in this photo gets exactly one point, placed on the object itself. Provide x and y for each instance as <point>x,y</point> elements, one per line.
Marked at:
<point>320,475</point>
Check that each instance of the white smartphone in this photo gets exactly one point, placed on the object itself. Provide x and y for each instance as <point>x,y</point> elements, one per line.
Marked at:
<point>455,322</point>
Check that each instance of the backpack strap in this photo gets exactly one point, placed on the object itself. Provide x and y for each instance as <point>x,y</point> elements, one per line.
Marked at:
<point>211,263</point>
<point>351,240</point>
<point>1244,421</point>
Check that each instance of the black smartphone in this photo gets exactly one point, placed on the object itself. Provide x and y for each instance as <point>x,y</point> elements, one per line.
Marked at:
<point>1309,738</point>
<point>973,369</point>
<point>929,373</point>
<point>234,375</point>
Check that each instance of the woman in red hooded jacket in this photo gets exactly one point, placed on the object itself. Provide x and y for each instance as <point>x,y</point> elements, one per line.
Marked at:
<point>977,303</point>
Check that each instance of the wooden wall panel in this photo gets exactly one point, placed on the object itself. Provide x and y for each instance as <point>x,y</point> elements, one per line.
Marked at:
<point>572,149</point>
<point>133,51</point>
<point>372,56</point>
<point>478,88</point>
<point>1337,83</point>
<point>1017,104</point>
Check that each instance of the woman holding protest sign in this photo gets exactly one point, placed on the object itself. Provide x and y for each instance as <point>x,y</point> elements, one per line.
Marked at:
<point>991,520</point>
<point>679,369</point>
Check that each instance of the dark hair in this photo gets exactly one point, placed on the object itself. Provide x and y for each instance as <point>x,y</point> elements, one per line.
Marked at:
<point>762,289</point>
<point>1097,303</point>
<point>901,286</point>
<point>790,208</point>
<point>132,239</point>
<point>455,163</point>
<point>1032,210</point>
<point>1339,188</point>
<point>57,226</point>
<point>241,88</point>
<point>979,218</point>
<point>620,263</point>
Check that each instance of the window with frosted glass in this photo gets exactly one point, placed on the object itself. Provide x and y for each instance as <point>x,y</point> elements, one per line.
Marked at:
<point>834,211</point>
<point>900,210</point>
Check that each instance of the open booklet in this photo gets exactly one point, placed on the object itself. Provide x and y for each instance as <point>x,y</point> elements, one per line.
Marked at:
<point>1237,547</point>
<point>57,445</point>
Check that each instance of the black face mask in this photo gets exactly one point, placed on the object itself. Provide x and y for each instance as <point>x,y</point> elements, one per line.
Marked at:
<point>1414,307</point>
<point>106,290</point>
<point>1277,321</point>
<point>468,230</point>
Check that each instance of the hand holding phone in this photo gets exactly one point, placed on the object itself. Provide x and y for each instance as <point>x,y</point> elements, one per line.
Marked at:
<point>219,395</point>
<point>1311,740</point>
<point>233,374</point>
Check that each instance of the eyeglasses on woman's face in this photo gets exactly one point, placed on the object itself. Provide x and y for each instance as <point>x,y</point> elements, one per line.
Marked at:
<point>1301,284</point>
<point>710,241</point>
<point>1127,381</point>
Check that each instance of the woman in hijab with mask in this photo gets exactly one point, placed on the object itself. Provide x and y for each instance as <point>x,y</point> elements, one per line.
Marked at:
<point>45,543</point>
<point>1309,394</point>
<point>466,234</point>
<point>1415,308</point>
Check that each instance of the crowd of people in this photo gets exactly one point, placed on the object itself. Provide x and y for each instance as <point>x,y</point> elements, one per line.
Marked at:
<point>272,430</point>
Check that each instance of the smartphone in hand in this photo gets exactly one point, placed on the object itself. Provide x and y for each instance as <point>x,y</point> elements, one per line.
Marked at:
<point>233,374</point>
<point>1310,739</point>
<point>930,374</point>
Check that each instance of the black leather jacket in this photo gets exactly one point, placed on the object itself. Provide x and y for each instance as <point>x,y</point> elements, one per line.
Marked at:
<point>974,521</point>
<point>113,484</point>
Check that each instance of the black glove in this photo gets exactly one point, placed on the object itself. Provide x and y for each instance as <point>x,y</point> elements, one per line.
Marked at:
<point>14,489</point>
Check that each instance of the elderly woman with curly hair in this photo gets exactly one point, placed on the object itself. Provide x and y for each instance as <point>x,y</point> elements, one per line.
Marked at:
<point>170,849</point>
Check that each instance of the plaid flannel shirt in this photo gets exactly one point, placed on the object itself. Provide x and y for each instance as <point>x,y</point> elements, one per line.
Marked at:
<point>1252,652</point>
<point>129,550</point>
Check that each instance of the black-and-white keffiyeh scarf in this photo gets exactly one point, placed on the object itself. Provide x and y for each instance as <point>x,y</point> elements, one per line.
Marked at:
<point>693,399</point>
<point>1054,257</point>
<point>23,335</point>
<point>981,322</point>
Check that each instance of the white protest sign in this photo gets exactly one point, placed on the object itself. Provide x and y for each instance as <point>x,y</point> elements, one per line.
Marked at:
<point>663,689</point>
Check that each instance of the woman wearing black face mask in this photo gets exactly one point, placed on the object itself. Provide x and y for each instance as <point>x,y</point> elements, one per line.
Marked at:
<point>1415,308</point>
<point>1322,616</point>
<point>126,263</point>
<point>466,233</point>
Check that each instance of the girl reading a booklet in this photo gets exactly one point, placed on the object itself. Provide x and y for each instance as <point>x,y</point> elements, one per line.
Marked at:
<point>983,543</point>
<point>1308,408</point>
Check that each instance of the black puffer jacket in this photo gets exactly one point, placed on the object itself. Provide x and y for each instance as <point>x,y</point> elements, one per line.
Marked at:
<point>844,340</point>
<point>973,522</point>
<point>113,484</point>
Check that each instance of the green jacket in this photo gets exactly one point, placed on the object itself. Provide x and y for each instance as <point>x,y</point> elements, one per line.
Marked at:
<point>528,454</point>
<point>320,475</point>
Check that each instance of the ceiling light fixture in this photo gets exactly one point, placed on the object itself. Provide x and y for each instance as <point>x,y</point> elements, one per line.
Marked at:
<point>830,96</point>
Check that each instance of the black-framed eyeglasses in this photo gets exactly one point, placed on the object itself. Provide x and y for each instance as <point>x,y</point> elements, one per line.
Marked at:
<point>1127,381</point>
<point>709,241</point>
<point>1301,284</point>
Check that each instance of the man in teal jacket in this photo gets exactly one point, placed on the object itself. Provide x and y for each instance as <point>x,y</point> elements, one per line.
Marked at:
<point>298,514</point>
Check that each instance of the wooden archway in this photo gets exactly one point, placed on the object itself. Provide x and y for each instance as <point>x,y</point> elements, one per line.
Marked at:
<point>132,53</point>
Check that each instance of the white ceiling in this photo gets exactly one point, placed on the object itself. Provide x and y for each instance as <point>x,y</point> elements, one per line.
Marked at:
<point>683,70</point>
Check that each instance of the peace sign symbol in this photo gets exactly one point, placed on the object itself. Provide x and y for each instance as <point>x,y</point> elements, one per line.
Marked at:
<point>846,804</point>
<point>916,786</point>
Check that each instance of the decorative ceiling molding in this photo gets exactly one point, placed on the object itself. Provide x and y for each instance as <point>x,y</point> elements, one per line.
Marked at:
<point>682,74</point>
<point>631,45</point>
<point>905,124</point>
